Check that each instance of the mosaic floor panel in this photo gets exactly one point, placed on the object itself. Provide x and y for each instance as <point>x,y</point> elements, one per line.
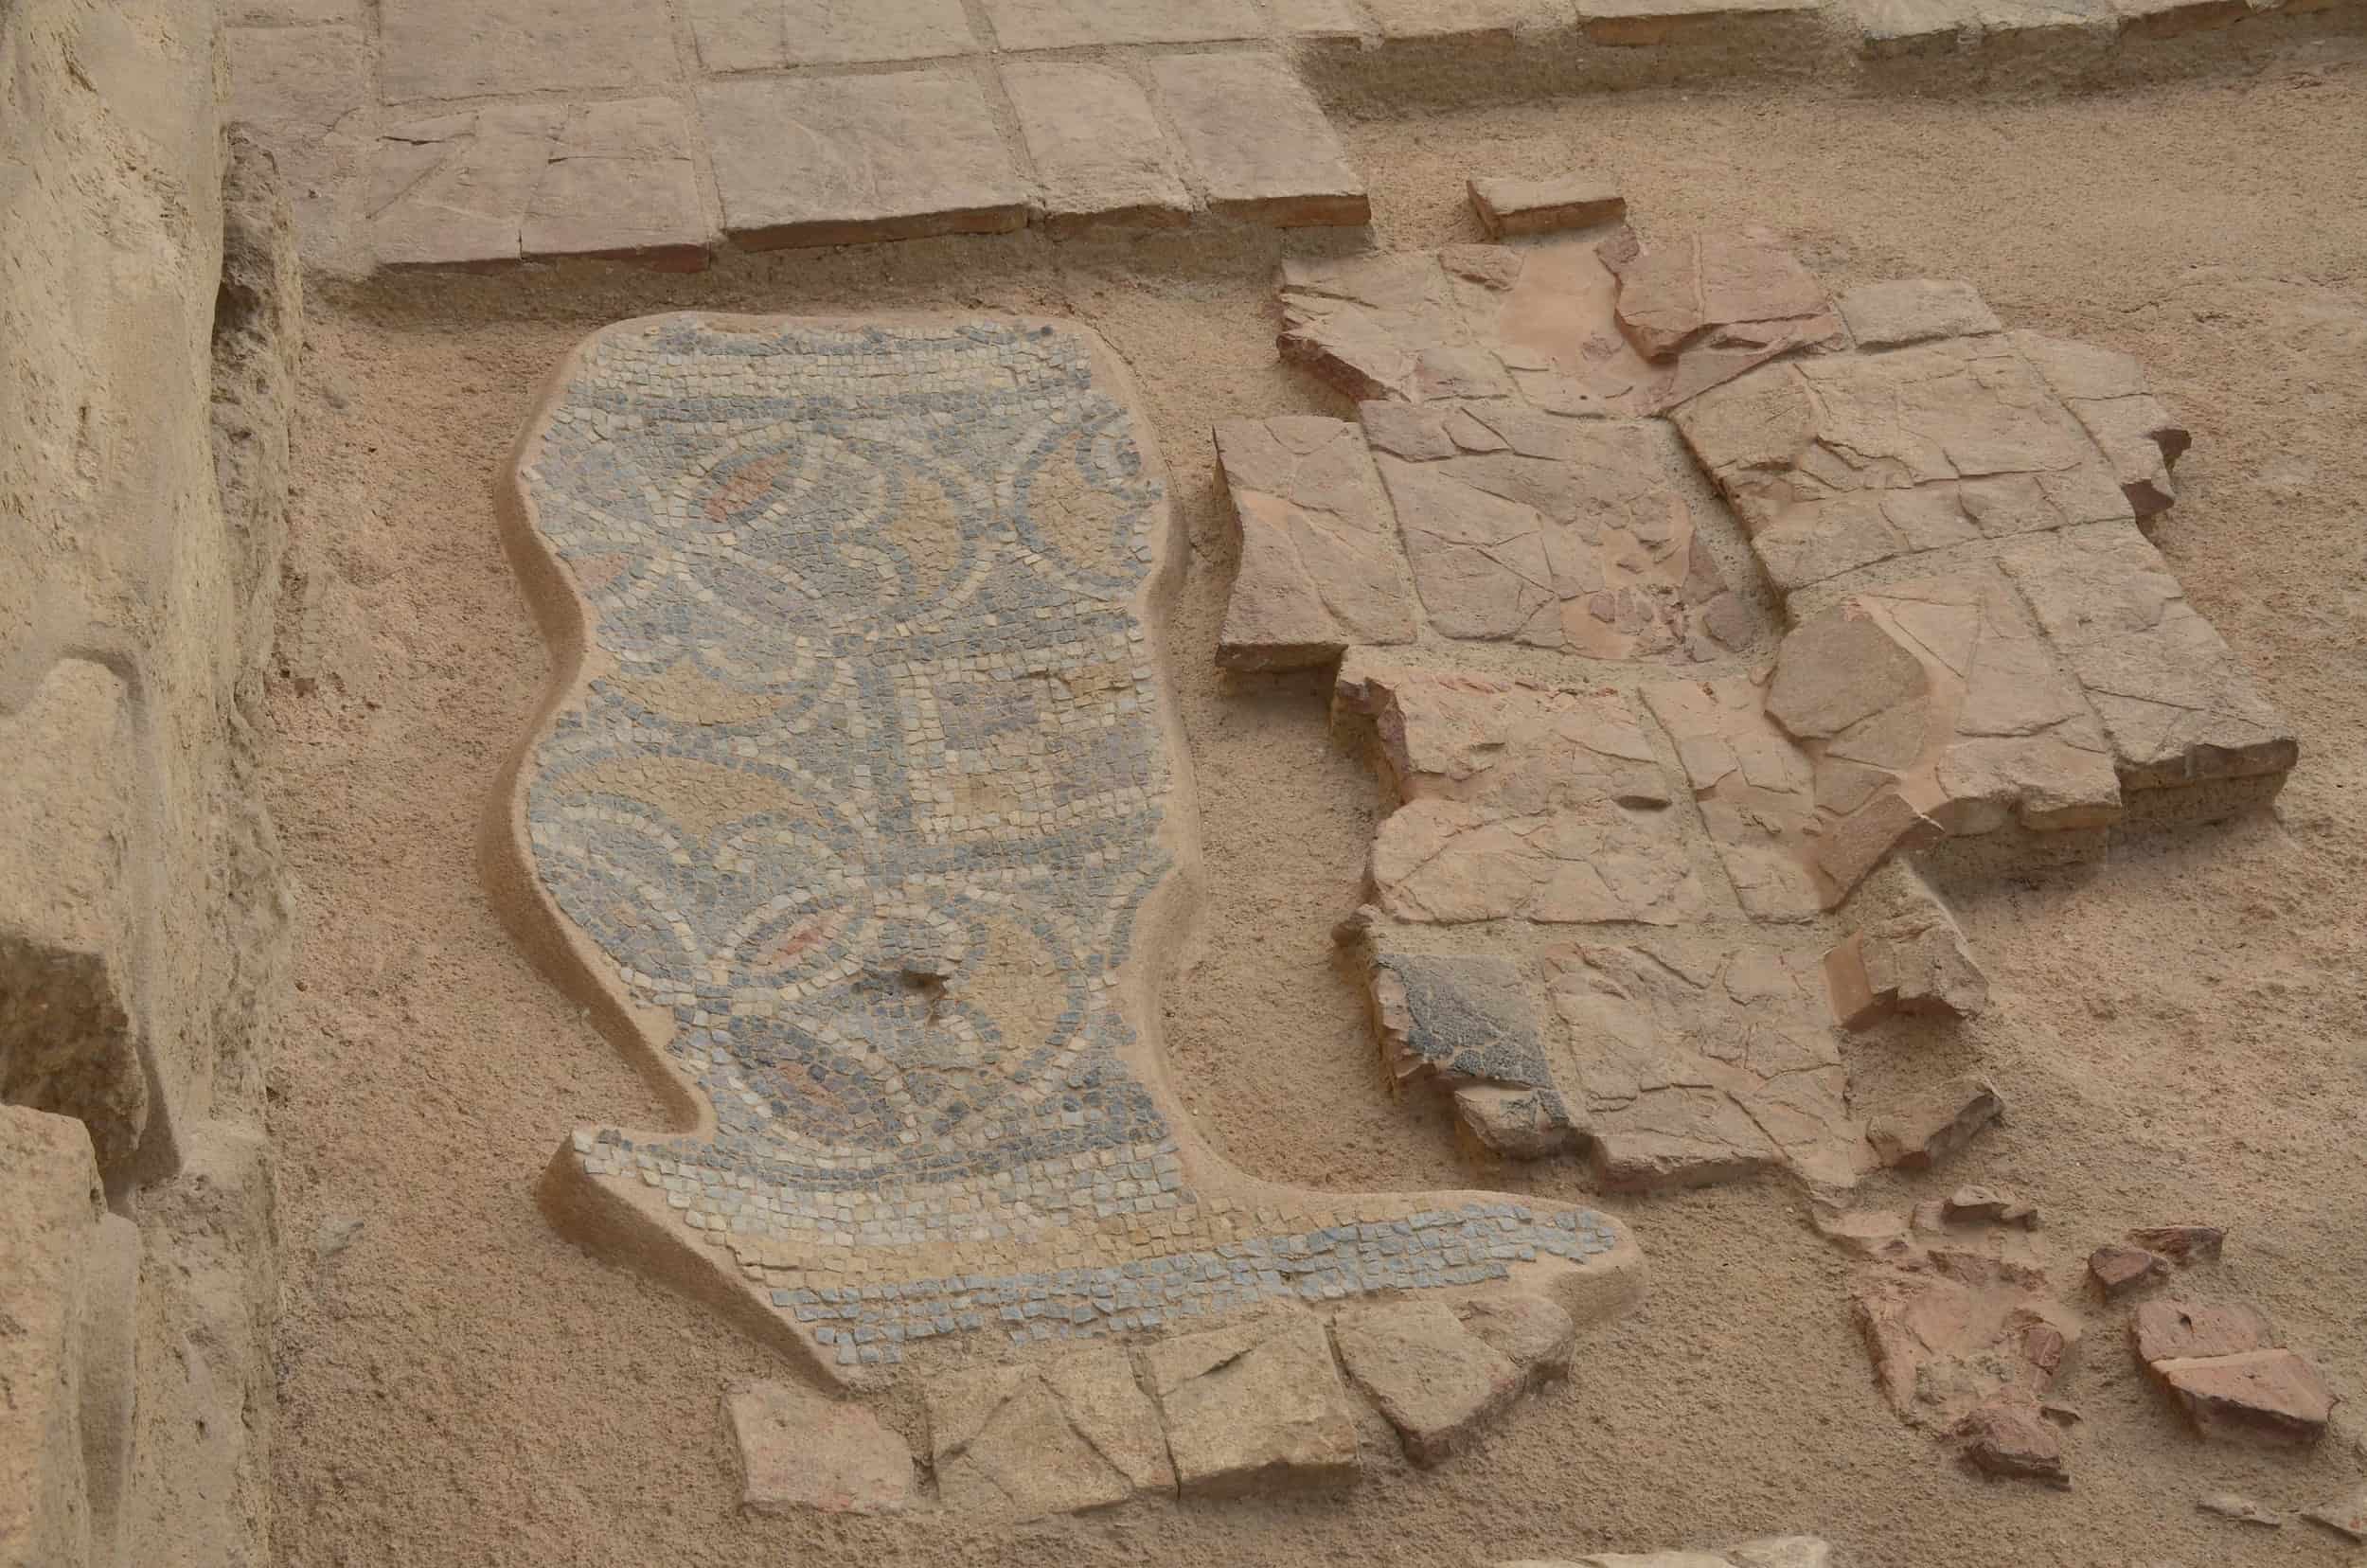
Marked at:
<point>861,784</point>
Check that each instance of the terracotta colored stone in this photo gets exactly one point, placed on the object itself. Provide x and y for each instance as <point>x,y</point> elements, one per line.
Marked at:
<point>1907,955</point>
<point>2010,1438</point>
<point>846,160</point>
<point>1577,536</point>
<point>453,191</point>
<point>752,35</point>
<point>1256,139</point>
<point>1899,311</point>
<point>462,48</point>
<point>1320,570</point>
<point>1951,1335</point>
<point>1703,1065</point>
<point>1720,304</point>
<point>1935,1124</point>
<point>1434,1379</point>
<point>1099,155</point>
<point>2345,1515</point>
<point>1866,1232</point>
<point>1509,206</point>
<point>2172,1330</point>
<point>2271,1393</point>
<point>619,182</point>
<point>1061,1436</point>
<point>1755,790</point>
<point>2177,706</point>
<point>802,1450</point>
<point>1450,862</point>
<point>2108,394</point>
<point>1073,24</point>
<point>1839,461</point>
<point>2239,1507</point>
<point>2182,1243</point>
<point>1254,1407</point>
<point>2115,1270</point>
<point>1981,1205</point>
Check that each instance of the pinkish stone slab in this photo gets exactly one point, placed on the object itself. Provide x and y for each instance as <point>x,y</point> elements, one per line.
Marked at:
<point>1099,155</point>
<point>846,160</point>
<point>1319,568</point>
<point>1257,140</point>
<point>619,182</point>
<point>453,192</point>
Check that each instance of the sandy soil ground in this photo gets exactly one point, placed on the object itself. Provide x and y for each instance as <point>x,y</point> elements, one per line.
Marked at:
<point>2180,1032</point>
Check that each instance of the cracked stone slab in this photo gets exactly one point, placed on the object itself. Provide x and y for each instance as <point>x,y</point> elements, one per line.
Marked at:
<point>1077,24</point>
<point>1717,304</point>
<point>850,160</point>
<point>619,182</point>
<point>1904,954</point>
<point>453,192</point>
<point>1467,1024</point>
<point>1901,311</point>
<point>1099,155</point>
<point>1320,570</point>
<point>1699,1063</point>
<point>1841,461</point>
<point>2177,704</point>
<point>800,1450</point>
<point>2108,395</point>
<point>1434,1379</point>
<point>1256,139</point>
<point>1042,1438</point>
<point>1952,1330</point>
<point>1569,534</point>
<point>754,35</point>
<point>1255,1407</point>
<point>436,49</point>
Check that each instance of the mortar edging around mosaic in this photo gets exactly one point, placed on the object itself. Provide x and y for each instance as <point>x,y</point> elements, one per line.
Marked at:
<point>591,1187</point>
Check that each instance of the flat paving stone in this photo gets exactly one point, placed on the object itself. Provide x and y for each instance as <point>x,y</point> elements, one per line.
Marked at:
<point>1258,141</point>
<point>1073,24</point>
<point>460,48</point>
<point>619,182</point>
<point>1899,311</point>
<point>848,160</point>
<point>1099,155</point>
<point>754,35</point>
<point>1064,1437</point>
<point>800,1450</point>
<point>1644,22</point>
<point>1450,19</point>
<point>1255,1408</point>
<point>453,192</point>
<point>1319,571</point>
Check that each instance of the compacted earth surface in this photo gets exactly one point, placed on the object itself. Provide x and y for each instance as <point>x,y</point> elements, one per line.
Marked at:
<point>2171,1018</point>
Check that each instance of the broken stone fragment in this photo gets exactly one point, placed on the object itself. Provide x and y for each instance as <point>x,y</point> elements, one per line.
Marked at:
<point>1492,266</point>
<point>2237,1506</point>
<point>1899,311</point>
<point>1465,1021</point>
<point>1908,954</point>
<point>1450,862</point>
<point>1254,1407</point>
<point>1061,1436</point>
<point>2107,392</point>
<point>2182,1243</point>
<point>1744,290</point>
<point>2011,1437</point>
<point>801,1450</point>
<point>2174,1330</point>
<point>1319,568</point>
<point>1987,1205</point>
<point>1952,1333</point>
<point>2345,1515</point>
<point>1935,1124</point>
<point>1434,1381</point>
<point>2115,1270</point>
<point>1507,205</point>
<point>1533,1334</point>
<point>1866,1232</point>
<point>2271,1393</point>
<point>1258,140</point>
<point>1099,155</point>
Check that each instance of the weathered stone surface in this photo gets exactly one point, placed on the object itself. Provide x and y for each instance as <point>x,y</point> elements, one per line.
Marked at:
<point>2108,394</point>
<point>2008,31</point>
<point>1981,1205</point>
<point>462,48</point>
<point>753,35</point>
<point>1318,20</point>
<point>1464,18</point>
<point>1766,1552</point>
<point>1528,1330</point>
<point>2345,1515</point>
<point>619,182</point>
<point>2237,1506</point>
<point>1509,206</point>
<point>1755,789</point>
<point>2173,1330</point>
<point>2182,1243</point>
<point>2010,1438</point>
<point>48,1229</point>
<point>1434,1381</point>
<point>802,1450</point>
<point>1935,1124</point>
<point>2178,706</point>
<point>1841,461</point>
<point>2271,1393</point>
<point>1703,1064</point>
<point>1057,1437</point>
<point>1897,311</point>
<point>1099,155</point>
<point>1466,1023</point>
<point>1254,1407</point>
<point>1645,23</point>
<point>2115,1270</point>
<point>1719,305</point>
<point>1450,862</point>
<point>1906,954</point>
<point>1320,570</point>
<point>842,160</point>
<point>1875,1233</point>
<point>69,1041</point>
<point>453,192</point>
<point>1574,536</point>
<point>1952,1333</point>
<point>1071,24</point>
<point>1256,138</point>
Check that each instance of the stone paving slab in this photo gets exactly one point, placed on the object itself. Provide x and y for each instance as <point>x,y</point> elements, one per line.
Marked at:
<point>839,160</point>
<point>1099,152</point>
<point>1319,571</point>
<point>1073,23</point>
<point>1257,140</point>
<point>453,192</point>
<point>619,182</point>
<point>756,35</point>
<point>441,50</point>
<point>862,785</point>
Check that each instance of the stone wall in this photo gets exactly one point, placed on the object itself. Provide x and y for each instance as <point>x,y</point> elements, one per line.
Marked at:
<point>149,305</point>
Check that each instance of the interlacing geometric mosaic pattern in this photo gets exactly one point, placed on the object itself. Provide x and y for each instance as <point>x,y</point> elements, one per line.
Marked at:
<point>867,791</point>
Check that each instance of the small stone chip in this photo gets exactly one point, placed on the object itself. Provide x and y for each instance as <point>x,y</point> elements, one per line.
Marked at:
<point>1507,205</point>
